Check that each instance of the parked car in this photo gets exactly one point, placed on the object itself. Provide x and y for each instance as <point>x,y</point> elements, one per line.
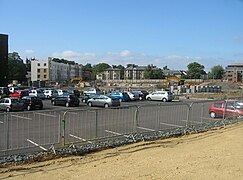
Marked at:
<point>4,92</point>
<point>74,92</point>
<point>66,100</point>
<point>141,94</point>
<point>86,97</point>
<point>92,91</point>
<point>133,96</point>
<point>122,96</point>
<point>61,92</point>
<point>19,93</point>
<point>37,93</point>
<point>229,109</point>
<point>12,89</point>
<point>103,101</point>
<point>11,104</point>
<point>160,96</point>
<point>50,93</point>
<point>32,102</point>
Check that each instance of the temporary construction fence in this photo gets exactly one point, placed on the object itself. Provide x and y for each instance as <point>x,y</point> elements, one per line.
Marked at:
<point>40,130</point>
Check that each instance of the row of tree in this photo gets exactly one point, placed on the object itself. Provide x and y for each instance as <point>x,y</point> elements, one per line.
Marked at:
<point>18,69</point>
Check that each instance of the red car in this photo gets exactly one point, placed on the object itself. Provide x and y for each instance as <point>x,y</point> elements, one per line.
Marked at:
<point>19,94</point>
<point>231,109</point>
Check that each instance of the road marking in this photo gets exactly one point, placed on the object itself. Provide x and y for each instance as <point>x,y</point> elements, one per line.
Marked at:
<point>22,117</point>
<point>146,129</point>
<point>32,142</point>
<point>171,125</point>
<point>80,138</point>
<point>112,132</point>
<point>50,115</point>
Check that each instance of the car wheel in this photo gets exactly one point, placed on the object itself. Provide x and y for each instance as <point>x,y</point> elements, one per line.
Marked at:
<point>90,104</point>
<point>28,108</point>
<point>140,98</point>
<point>53,103</point>
<point>164,100</point>
<point>67,104</point>
<point>212,114</point>
<point>149,98</point>
<point>41,107</point>
<point>106,105</point>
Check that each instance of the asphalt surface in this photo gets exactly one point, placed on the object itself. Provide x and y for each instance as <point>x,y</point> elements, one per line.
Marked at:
<point>41,129</point>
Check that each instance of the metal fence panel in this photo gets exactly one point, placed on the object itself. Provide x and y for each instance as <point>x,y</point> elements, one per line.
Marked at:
<point>161,117</point>
<point>29,129</point>
<point>87,125</point>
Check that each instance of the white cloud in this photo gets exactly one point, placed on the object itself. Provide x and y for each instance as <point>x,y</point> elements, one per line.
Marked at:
<point>125,53</point>
<point>29,51</point>
<point>127,57</point>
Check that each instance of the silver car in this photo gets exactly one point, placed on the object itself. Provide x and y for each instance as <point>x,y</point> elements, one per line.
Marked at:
<point>11,104</point>
<point>160,96</point>
<point>103,101</point>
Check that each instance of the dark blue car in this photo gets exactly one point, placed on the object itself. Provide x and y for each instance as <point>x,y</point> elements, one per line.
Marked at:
<point>122,96</point>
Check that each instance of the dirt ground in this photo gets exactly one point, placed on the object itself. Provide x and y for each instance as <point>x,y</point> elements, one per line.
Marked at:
<point>216,154</point>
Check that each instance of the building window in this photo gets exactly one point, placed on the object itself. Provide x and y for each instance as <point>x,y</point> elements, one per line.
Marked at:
<point>38,70</point>
<point>38,64</point>
<point>38,76</point>
<point>44,70</point>
<point>45,76</point>
<point>44,64</point>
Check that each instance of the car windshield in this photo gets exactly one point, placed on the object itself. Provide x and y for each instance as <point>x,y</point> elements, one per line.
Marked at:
<point>14,100</point>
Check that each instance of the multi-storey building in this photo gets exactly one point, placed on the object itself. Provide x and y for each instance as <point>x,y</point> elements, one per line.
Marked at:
<point>54,71</point>
<point>110,74</point>
<point>234,73</point>
<point>40,70</point>
<point>134,72</point>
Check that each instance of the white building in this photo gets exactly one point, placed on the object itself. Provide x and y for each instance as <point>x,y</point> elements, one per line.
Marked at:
<point>54,70</point>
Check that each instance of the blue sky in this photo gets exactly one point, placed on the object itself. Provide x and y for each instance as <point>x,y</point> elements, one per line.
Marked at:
<point>160,32</point>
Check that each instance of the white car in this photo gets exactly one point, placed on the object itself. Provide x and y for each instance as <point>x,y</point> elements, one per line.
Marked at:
<point>61,92</point>
<point>11,104</point>
<point>37,93</point>
<point>92,91</point>
<point>160,96</point>
<point>50,93</point>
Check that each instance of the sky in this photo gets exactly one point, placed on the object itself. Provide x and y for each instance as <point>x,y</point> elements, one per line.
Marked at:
<point>172,33</point>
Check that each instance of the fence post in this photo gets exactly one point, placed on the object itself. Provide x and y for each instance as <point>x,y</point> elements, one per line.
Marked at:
<point>135,124</point>
<point>202,112</point>
<point>188,114</point>
<point>225,104</point>
<point>63,129</point>
<point>96,123</point>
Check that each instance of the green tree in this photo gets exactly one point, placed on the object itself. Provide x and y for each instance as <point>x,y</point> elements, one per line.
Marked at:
<point>216,72</point>
<point>16,67</point>
<point>195,70</point>
<point>101,67</point>
<point>88,72</point>
<point>166,68</point>
<point>153,73</point>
